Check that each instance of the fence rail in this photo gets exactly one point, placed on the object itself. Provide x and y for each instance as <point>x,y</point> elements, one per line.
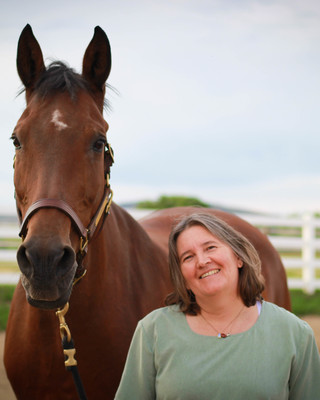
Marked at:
<point>303,242</point>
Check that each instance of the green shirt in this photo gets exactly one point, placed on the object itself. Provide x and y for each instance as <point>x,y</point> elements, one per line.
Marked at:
<point>275,359</point>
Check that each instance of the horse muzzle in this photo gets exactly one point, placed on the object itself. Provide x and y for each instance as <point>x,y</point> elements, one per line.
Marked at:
<point>48,269</point>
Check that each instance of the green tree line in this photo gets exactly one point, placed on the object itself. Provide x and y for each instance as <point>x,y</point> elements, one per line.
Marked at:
<point>171,201</point>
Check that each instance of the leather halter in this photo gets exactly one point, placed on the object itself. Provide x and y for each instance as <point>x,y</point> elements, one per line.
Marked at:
<point>85,234</point>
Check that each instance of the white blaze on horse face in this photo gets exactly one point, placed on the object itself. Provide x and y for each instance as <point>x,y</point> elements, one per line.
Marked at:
<point>56,120</point>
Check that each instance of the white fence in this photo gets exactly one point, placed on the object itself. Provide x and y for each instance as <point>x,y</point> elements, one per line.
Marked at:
<point>306,244</point>
<point>8,232</point>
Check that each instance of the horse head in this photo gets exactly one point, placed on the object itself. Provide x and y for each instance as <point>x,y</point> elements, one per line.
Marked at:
<point>61,163</point>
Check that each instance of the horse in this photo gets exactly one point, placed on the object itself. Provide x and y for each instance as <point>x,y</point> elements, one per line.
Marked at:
<point>78,247</point>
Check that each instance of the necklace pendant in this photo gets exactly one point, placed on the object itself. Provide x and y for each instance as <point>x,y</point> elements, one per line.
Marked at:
<point>223,335</point>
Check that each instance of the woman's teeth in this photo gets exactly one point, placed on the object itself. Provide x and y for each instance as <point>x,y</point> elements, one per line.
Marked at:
<point>212,272</point>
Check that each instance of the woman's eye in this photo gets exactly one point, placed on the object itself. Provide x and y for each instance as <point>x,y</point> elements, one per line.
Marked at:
<point>211,247</point>
<point>16,142</point>
<point>99,145</point>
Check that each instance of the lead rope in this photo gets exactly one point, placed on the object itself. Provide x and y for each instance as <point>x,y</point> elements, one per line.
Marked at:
<point>69,352</point>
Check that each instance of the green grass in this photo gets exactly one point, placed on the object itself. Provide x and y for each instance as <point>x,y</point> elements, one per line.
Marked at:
<point>302,304</point>
<point>6,293</point>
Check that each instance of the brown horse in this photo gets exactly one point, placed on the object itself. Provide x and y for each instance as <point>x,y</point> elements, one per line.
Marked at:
<point>68,226</point>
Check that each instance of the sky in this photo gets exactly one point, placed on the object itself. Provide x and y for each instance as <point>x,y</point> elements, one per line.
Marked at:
<point>212,99</point>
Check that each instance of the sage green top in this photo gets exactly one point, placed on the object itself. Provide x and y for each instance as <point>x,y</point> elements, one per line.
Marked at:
<point>275,359</point>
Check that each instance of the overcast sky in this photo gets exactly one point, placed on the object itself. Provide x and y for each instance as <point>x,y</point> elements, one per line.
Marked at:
<point>217,99</point>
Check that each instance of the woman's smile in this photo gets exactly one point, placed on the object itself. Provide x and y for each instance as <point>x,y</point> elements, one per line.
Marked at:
<point>209,273</point>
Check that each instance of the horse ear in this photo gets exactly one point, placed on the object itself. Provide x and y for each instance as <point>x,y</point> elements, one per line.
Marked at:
<point>96,64</point>
<point>30,63</point>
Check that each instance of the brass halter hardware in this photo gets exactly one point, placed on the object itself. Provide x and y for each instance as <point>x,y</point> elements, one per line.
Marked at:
<point>64,329</point>
<point>70,361</point>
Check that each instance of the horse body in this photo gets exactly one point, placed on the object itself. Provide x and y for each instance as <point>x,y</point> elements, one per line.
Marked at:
<point>62,155</point>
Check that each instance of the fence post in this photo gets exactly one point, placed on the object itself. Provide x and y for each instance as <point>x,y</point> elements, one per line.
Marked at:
<point>308,253</point>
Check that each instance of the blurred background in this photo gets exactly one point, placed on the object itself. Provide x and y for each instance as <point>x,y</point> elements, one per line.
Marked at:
<point>213,99</point>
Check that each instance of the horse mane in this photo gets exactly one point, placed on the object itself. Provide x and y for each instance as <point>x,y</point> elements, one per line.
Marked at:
<point>59,77</point>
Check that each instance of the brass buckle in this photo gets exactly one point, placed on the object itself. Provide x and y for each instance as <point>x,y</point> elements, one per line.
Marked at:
<point>70,360</point>
<point>64,329</point>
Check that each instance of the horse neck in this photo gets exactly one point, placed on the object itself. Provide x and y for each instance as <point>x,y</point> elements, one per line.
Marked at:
<point>122,257</point>
<point>112,249</point>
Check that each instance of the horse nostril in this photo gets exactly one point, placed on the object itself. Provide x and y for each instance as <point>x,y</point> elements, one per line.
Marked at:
<point>23,261</point>
<point>67,260</point>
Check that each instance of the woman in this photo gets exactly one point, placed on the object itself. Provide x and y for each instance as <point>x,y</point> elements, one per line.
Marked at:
<point>217,338</point>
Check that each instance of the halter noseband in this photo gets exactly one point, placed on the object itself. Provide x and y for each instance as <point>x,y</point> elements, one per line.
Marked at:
<point>85,234</point>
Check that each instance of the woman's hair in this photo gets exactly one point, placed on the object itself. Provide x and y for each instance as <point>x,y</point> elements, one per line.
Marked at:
<point>251,283</point>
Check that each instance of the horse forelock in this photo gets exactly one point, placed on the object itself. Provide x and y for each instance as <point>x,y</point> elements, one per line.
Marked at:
<point>59,77</point>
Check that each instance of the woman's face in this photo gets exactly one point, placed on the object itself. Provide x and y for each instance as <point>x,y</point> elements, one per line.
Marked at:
<point>208,265</point>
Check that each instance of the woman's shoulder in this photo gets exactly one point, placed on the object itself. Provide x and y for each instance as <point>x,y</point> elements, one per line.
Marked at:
<point>279,317</point>
<point>278,312</point>
<point>161,316</point>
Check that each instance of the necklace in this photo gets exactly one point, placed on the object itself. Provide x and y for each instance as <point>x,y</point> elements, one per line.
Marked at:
<point>222,335</point>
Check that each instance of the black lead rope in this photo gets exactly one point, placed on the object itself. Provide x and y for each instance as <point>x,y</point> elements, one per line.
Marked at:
<point>69,351</point>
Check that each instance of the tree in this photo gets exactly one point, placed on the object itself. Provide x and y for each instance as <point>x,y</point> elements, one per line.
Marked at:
<point>171,201</point>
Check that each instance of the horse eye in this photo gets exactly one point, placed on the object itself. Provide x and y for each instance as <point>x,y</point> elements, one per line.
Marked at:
<point>16,142</point>
<point>99,145</point>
